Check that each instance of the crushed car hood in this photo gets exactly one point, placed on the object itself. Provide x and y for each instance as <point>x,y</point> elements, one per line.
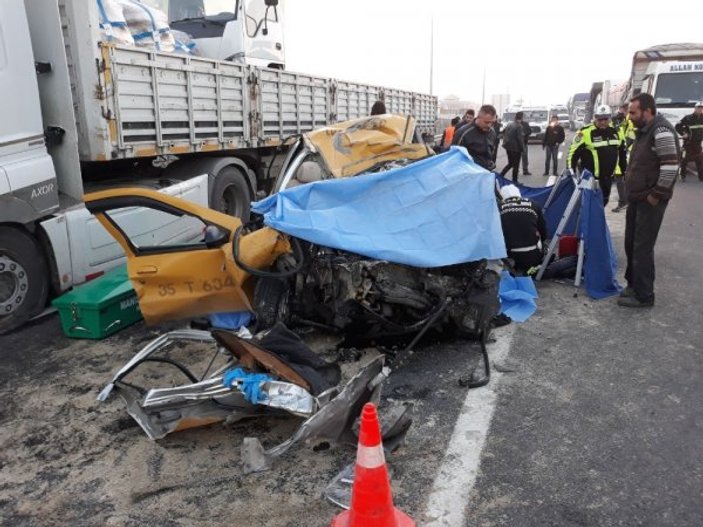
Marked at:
<point>352,147</point>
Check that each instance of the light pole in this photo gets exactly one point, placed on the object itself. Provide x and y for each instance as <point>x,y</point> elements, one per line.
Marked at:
<point>431,54</point>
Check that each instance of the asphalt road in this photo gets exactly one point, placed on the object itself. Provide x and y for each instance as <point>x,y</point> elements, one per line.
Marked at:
<point>599,421</point>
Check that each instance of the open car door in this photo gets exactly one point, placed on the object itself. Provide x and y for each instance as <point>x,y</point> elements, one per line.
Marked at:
<point>179,254</point>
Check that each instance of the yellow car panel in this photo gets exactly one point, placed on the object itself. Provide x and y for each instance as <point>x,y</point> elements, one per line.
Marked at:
<point>174,282</point>
<point>352,147</point>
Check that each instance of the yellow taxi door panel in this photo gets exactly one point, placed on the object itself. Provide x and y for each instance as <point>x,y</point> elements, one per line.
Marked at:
<point>179,254</point>
<point>185,284</point>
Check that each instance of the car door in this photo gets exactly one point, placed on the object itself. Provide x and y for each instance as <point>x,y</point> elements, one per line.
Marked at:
<point>179,254</point>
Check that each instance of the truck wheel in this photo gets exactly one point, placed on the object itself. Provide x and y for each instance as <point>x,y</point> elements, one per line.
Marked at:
<point>24,284</point>
<point>230,193</point>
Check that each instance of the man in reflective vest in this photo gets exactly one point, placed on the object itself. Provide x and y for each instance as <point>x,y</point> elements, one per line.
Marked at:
<point>624,126</point>
<point>691,129</point>
<point>448,135</point>
<point>600,149</point>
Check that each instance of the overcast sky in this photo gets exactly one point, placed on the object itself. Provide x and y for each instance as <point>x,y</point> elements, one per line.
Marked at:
<point>542,51</point>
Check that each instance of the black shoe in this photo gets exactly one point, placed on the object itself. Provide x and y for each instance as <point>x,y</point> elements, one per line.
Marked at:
<point>527,173</point>
<point>501,320</point>
<point>545,175</point>
<point>620,207</point>
<point>628,292</point>
<point>632,301</point>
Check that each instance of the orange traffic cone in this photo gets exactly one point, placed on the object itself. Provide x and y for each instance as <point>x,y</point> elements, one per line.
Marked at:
<point>371,502</point>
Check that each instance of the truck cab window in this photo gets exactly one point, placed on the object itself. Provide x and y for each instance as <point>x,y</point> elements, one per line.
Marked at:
<point>200,18</point>
<point>257,14</point>
<point>679,88</point>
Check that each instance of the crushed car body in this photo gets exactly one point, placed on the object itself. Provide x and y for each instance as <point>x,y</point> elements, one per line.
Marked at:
<point>244,379</point>
<point>427,270</point>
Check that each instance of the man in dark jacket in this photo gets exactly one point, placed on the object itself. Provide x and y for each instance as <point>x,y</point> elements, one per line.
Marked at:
<point>649,184</point>
<point>478,137</point>
<point>514,143</point>
<point>691,129</point>
<point>553,138</point>
<point>527,131</point>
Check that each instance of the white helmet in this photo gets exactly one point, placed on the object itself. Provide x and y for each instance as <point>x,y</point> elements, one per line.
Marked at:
<point>603,111</point>
<point>510,191</point>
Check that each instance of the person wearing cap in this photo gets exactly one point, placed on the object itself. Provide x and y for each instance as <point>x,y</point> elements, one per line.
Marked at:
<point>691,129</point>
<point>524,228</point>
<point>600,149</point>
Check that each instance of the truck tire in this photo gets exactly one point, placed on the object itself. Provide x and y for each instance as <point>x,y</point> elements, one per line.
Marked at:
<point>24,281</point>
<point>230,193</point>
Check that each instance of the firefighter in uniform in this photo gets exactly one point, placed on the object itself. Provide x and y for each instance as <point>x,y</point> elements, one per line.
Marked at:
<point>691,129</point>
<point>600,149</point>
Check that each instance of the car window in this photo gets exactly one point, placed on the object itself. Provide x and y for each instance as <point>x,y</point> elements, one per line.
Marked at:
<point>153,229</point>
<point>311,169</point>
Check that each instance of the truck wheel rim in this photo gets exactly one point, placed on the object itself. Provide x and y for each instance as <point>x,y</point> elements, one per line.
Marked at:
<point>13,285</point>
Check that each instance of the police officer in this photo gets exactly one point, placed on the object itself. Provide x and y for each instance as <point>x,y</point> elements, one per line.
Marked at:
<point>624,126</point>
<point>600,149</point>
<point>691,129</point>
<point>524,228</point>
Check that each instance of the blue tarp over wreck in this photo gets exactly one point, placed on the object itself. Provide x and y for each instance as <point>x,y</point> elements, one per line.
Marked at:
<point>438,211</point>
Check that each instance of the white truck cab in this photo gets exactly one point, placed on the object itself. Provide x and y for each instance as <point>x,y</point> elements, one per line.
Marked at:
<point>246,31</point>
<point>676,86</point>
<point>28,187</point>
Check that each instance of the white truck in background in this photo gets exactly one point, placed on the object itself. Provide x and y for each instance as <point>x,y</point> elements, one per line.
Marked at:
<point>79,115</point>
<point>671,73</point>
<point>576,107</point>
<point>537,117</point>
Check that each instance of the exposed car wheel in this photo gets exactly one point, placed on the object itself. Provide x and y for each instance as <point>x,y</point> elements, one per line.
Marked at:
<point>24,284</point>
<point>230,193</point>
<point>271,302</point>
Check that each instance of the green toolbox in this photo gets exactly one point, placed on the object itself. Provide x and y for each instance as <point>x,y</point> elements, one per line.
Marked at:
<point>99,308</point>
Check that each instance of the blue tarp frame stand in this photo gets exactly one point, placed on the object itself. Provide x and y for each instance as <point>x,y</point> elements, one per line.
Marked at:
<point>575,206</point>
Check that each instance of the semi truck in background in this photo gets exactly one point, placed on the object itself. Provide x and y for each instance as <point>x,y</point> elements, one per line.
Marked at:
<point>576,107</point>
<point>81,114</point>
<point>671,73</point>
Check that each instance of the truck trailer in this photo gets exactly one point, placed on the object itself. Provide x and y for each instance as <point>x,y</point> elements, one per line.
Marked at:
<point>81,113</point>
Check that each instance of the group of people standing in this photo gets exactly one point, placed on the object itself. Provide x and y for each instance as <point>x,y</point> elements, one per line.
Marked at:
<point>515,140</point>
<point>637,148</point>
